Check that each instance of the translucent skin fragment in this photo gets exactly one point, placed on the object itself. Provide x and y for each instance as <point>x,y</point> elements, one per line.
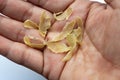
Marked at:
<point>68,28</point>
<point>58,47</point>
<point>45,24</point>
<point>79,22</point>
<point>63,15</point>
<point>30,24</point>
<point>77,32</point>
<point>33,45</point>
<point>71,40</point>
<point>74,38</point>
<point>69,55</point>
<point>81,30</point>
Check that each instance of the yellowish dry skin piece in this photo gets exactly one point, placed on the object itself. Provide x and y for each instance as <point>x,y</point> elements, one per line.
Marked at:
<point>69,54</point>
<point>71,40</point>
<point>58,47</point>
<point>81,30</point>
<point>77,32</point>
<point>45,24</point>
<point>57,14</point>
<point>68,28</point>
<point>79,22</point>
<point>33,45</point>
<point>63,15</point>
<point>30,24</point>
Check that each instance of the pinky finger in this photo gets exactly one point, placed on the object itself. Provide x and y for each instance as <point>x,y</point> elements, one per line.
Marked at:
<point>21,54</point>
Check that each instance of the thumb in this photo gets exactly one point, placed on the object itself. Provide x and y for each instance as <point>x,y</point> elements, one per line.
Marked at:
<point>113,3</point>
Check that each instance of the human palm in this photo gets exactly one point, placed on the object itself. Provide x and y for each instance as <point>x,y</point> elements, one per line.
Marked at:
<point>97,57</point>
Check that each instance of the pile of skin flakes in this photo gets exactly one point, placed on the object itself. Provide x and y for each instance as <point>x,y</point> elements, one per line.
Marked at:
<point>66,42</point>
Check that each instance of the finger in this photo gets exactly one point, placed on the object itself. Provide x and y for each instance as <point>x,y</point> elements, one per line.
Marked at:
<point>22,54</point>
<point>21,10</point>
<point>53,5</point>
<point>15,31</point>
<point>114,3</point>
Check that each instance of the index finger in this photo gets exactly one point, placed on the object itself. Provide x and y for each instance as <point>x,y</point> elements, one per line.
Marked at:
<point>21,10</point>
<point>52,5</point>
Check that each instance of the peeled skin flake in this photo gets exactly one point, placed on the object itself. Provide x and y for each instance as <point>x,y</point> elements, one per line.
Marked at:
<point>74,38</point>
<point>30,24</point>
<point>69,55</point>
<point>80,30</point>
<point>77,32</point>
<point>71,40</point>
<point>57,14</point>
<point>79,22</point>
<point>63,15</point>
<point>58,47</point>
<point>66,31</point>
<point>33,45</point>
<point>44,25</point>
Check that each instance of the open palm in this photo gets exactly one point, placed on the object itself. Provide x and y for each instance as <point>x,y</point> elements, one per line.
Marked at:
<point>97,58</point>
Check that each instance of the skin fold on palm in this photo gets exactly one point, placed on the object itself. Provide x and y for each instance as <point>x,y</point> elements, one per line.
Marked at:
<point>96,59</point>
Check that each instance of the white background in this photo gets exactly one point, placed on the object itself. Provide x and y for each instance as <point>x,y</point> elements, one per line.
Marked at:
<point>12,71</point>
<point>98,0</point>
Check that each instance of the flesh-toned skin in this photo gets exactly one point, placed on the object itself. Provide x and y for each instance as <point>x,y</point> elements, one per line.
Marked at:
<point>98,58</point>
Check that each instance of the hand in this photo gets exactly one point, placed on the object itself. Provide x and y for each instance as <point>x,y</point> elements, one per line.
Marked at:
<point>90,62</point>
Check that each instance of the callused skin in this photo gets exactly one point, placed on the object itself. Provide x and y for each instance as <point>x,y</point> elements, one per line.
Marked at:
<point>96,59</point>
